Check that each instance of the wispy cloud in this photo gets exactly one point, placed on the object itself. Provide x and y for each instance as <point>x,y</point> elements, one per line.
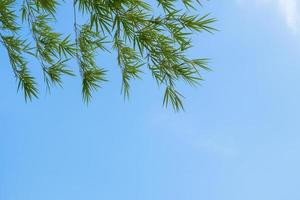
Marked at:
<point>288,9</point>
<point>186,132</point>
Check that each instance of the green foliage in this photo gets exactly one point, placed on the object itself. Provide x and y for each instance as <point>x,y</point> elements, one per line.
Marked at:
<point>141,37</point>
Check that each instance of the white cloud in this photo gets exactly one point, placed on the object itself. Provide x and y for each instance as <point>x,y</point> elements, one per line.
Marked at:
<point>288,9</point>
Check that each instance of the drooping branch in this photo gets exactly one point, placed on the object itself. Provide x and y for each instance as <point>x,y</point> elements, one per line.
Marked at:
<point>141,39</point>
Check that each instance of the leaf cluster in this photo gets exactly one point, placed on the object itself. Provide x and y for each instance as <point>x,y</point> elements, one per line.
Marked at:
<point>143,38</point>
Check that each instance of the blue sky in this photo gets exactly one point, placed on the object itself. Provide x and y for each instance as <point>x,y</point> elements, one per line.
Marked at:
<point>238,139</point>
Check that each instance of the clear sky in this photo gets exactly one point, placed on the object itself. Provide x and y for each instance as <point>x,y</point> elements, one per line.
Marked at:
<point>239,138</point>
